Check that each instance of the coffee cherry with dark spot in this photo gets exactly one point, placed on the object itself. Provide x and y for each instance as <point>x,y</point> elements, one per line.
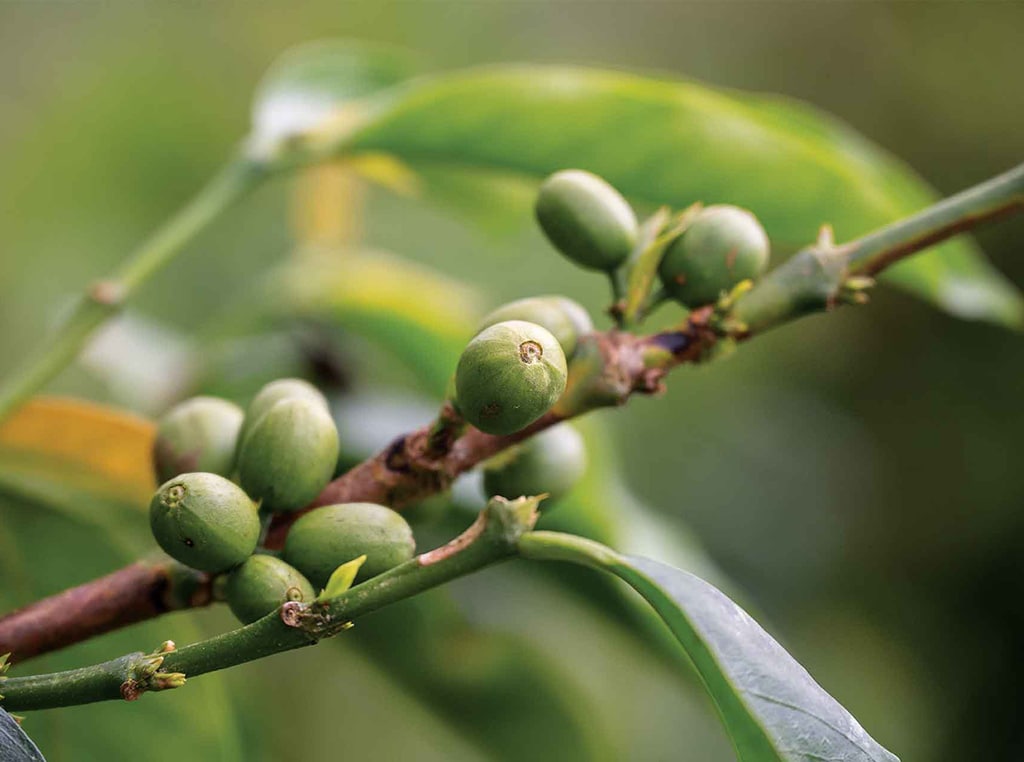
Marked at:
<point>289,454</point>
<point>564,318</point>
<point>723,246</point>
<point>199,434</point>
<point>508,376</point>
<point>551,463</point>
<point>262,584</point>
<point>204,521</point>
<point>327,537</point>
<point>586,219</point>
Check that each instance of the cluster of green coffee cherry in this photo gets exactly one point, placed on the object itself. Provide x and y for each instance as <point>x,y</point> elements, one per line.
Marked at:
<point>718,248</point>
<point>282,451</point>
<point>515,369</point>
<point>226,471</point>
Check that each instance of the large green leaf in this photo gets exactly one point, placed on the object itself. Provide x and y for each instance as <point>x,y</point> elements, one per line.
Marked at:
<point>15,746</point>
<point>772,708</point>
<point>675,142</point>
<point>306,86</point>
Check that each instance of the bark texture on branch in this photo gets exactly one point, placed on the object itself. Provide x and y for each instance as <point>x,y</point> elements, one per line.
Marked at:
<point>140,591</point>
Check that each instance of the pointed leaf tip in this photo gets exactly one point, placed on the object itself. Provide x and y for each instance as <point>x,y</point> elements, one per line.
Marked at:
<point>342,579</point>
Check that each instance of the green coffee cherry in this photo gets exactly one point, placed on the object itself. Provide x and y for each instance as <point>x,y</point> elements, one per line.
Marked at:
<point>550,462</point>
<point>586,219</point>
<point>578,315</point>
<point>327,537</point>
<point>274,392</point>
<point>262,584</point>
<point>722,246</point>
<point>204,521</point>
<point>199,434</point>
<point>508,376</point>
<point>564,318</point>
<point>289,454</point>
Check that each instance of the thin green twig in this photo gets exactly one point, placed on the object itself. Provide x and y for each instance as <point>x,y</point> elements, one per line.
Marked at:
<point>106,297</point>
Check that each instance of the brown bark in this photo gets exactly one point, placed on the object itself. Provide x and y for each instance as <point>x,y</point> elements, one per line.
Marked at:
<point>137,592</point>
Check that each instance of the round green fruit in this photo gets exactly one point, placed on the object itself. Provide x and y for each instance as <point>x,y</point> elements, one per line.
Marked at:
<point>289,454</point>
<point>508,376</point>
<point>262,584</point>
<point>564,318</point>
<point>204,521</point>
<point>586,219</point>
<point>274,392</point>
<point>550,462</point>
<point>577,313</point>
<point>723,246</point>
<point>199,434</point>
<point>327,537</point>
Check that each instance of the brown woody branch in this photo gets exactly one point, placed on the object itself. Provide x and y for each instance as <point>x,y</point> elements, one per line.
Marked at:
<point>140,591</point>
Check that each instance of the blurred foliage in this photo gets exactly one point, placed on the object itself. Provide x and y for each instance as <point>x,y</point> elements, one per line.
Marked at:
<point>856,474</point>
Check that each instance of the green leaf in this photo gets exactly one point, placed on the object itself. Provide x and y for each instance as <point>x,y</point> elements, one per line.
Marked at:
<point>423,317</point>
<point>307,85</point>
<point>773,710</point>
<point>675,142</point>
<point>341,579</point>
<point>15,745</point>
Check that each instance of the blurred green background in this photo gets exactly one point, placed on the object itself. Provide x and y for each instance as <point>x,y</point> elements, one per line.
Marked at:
<point>857,476</point>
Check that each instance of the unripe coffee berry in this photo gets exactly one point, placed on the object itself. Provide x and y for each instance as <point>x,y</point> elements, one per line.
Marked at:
<point>204,521</point>
<point>327,537</point>
<point>564,318</point>
<point>550,462</point>
<point>721,247</point>
<point>199,434</point>
<point>586,219</point>
<point>289,454</point>
<point>508,376</point>
<point>262,584</point>
<point>274,392</point>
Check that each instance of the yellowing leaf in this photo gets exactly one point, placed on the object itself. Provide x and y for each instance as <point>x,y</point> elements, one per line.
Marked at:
<point>98,446</point>
<point>342,579</point>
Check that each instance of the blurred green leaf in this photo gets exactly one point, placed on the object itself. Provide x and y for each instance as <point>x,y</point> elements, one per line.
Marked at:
<point>676,142</point>
<point>307,84</point>
<point>421,316</point>
<point>15,745</point>
<point>496,688</point>
<point>772,708</point>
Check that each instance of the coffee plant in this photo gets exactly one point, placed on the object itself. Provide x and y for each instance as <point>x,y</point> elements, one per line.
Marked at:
<point>270,510</point>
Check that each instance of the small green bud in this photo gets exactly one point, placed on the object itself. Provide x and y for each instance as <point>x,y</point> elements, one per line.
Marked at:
<point>723,246</point>
<point>550,462</point>
<point>508,376</point>
<point>289,454</point>
<point>274,392</point>
<point>204,521</point>
<point>564,318</point>
<point>199,434</point>
<point>327,537</point>
<point>262,584</point>
<point>586,219</point>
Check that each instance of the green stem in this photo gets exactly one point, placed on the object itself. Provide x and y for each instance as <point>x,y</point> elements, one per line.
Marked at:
<point>1000,195</point>
<point>493,537</point>
<point>106,298</point>
<point>818,277</point>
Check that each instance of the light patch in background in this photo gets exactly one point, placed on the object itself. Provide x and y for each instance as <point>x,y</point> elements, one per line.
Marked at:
<point>144,364</point>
